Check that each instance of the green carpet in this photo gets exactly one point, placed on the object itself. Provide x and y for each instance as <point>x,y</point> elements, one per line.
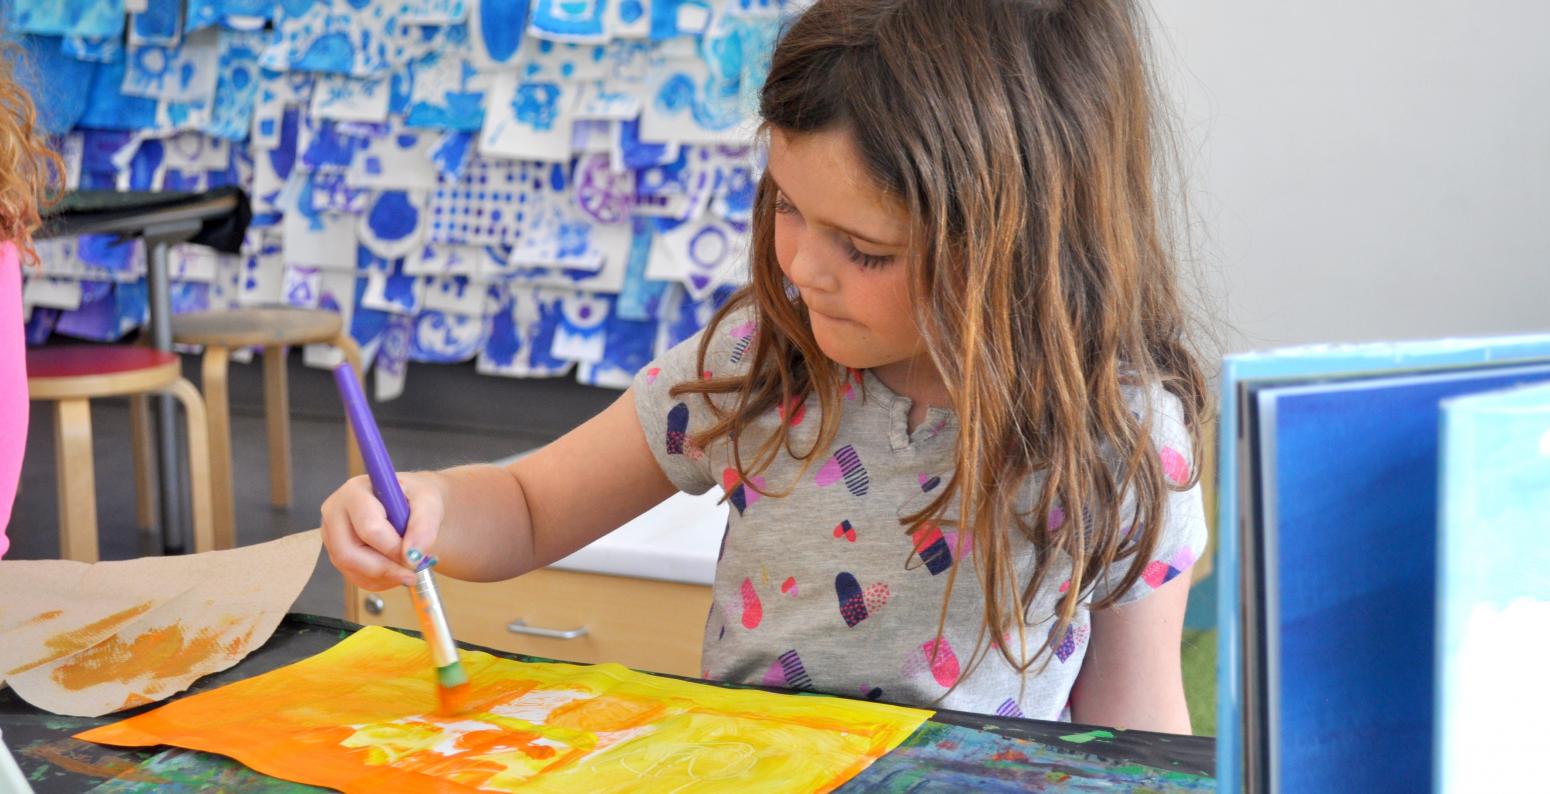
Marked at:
<point>1200,679</point>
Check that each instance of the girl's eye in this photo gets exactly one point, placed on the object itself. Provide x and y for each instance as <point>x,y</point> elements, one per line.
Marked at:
<point>868,261</point>
<point>783,206</point>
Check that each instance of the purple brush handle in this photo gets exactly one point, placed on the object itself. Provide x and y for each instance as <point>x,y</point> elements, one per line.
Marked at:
<point>384,481</point>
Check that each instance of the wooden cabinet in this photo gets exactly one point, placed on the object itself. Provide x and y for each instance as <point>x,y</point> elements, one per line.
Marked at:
<point>641,623</point>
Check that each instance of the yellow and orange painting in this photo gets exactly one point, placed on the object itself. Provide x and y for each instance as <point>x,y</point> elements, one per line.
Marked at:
<point>362,717</point>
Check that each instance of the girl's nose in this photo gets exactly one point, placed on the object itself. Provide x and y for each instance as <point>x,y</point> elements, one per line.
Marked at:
<point>811,270</point>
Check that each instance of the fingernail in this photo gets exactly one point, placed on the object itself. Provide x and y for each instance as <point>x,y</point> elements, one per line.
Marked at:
<point>432,563</point>
<point>413,555</point>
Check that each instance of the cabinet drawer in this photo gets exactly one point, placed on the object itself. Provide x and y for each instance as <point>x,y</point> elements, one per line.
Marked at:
<point>640,623</point>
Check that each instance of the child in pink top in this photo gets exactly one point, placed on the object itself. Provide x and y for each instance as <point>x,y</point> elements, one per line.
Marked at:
<point>28,169</point>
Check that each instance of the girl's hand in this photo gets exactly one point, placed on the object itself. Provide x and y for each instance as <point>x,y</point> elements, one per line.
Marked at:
<point>365,547</point>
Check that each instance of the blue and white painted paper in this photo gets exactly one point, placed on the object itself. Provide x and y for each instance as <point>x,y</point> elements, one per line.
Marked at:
<point>160,23</point>
<point>447,91</point>
<point>521,336</point>
<point>627,347</point>
<point>94,49</point>
<point>703,254</point>
<point>583,321</point>
<point>485,206</point>
<point>319,239</point>
<point>435,12</point>
<point>91,18</point>
<point>442,337</point>
<point>395,223</point>
<point>244,15</point>
<point>528,120</point>
<point>455,295</point>
<point>570,20</point>
<point>361,39</point>
<point>400,159</point>
<point>496,29</point>
<point>678,190</point>
<point>262,280</point>
<point>350,99</point>
<point>237,85</point>
<point>184,72</point>
<point>395,292</point>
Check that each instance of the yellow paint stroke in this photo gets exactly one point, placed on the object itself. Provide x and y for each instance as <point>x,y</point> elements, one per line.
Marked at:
<point>62,645</point>
<point>362,717</point>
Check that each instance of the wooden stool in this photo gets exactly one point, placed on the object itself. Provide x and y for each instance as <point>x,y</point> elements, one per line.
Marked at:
<point>71,376</point>
<point>275,330</point>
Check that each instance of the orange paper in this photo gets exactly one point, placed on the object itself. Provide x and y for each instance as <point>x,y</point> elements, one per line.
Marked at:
<point>362,717</point>
<point>90,639</point>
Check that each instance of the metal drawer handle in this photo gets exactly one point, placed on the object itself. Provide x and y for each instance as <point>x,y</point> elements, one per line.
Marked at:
<point>520,626</point>
<point>374,604</point>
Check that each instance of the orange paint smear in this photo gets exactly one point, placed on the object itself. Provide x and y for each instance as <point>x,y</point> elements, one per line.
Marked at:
<point>62,645</point>
<point>157,654</point>
<point>44,617</point>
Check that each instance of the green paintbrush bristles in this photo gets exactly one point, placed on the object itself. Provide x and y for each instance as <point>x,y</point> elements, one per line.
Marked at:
<point>451,675</point>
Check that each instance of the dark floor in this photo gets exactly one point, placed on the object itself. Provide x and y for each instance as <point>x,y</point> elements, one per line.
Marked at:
<point>447,416</point>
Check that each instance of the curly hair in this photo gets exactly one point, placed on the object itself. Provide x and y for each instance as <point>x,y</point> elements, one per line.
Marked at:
<point>31,172</point>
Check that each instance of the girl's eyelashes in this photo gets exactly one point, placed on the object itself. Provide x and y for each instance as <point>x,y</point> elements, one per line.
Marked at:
<point>864,259</point>
<point>852,253</point>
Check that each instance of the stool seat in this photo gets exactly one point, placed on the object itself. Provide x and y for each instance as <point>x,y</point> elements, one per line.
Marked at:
<point>260,327</point>
<point>70,371</point>
<point>70,376</point>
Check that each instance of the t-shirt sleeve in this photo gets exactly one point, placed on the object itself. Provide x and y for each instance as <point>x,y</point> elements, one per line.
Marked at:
<point>670,423</point>
<point>1184,532</point>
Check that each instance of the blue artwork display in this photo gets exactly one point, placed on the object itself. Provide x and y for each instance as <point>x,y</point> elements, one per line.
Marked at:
<point>542,187</point>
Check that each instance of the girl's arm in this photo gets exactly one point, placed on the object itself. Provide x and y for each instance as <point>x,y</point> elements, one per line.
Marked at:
<point>486,523</point>
<point>1131,677</point>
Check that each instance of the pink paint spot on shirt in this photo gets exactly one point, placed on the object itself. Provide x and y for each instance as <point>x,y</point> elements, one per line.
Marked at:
<point>753,611</point>
<point>1175,466</point>
<point>943,662</point>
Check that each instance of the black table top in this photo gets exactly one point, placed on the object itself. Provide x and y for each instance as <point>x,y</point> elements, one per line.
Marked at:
<point>55,762</point>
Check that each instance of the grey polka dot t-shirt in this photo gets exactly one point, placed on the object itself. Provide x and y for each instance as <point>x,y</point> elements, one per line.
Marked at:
<point>823,589</point>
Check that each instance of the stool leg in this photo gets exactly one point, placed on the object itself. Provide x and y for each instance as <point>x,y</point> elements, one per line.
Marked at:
<point>277,414</point>
<point>213,379</point>
<point>144,460</point>
<point>352,354</point>
<point>198,464</point>
<point>77,480</point>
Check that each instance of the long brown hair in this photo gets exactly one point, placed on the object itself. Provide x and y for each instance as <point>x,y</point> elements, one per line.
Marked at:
<point>31,172</point>
<point>1019,137</point>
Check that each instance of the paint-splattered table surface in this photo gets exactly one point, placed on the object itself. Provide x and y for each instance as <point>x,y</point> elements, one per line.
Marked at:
<point>954,751</point>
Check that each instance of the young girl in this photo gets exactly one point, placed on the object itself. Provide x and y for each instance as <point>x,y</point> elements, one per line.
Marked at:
<point>27,170</point>
<point>953,411</point>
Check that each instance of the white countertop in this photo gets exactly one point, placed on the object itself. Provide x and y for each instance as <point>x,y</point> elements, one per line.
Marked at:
<point>677,541</point>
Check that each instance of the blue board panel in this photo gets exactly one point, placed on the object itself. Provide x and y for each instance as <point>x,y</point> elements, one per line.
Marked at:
<point>1350,580</point>
<point>1305,363</point>
<point>1493,593</point>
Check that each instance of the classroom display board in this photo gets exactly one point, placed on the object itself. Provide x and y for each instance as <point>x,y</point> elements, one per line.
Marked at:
<point>542,187</point>
<point>1493,590</point>
<point>1330,561</point>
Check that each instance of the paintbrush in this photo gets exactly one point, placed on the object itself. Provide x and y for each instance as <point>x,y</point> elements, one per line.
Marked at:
<point>451,679</point>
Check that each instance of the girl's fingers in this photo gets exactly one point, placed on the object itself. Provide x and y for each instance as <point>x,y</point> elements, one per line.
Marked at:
<point>425,513</point>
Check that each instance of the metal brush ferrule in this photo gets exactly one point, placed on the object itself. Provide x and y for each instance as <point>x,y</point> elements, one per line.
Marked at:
<point>433,621</point>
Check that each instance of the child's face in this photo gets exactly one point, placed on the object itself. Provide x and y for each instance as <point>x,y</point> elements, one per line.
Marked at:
<point>842,242</point>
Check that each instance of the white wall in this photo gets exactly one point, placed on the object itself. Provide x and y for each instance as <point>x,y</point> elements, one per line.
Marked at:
<point>1365,169</point>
